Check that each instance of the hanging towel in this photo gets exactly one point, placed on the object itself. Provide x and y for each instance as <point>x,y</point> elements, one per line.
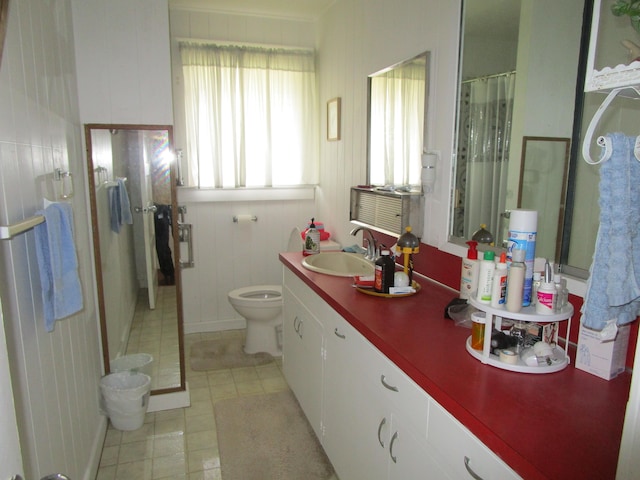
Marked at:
<point>613,288</point>
<point>119,206</point>
<point>58,264</point>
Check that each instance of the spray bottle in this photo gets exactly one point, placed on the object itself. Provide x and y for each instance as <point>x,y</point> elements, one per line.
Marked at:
<point>470,271</point>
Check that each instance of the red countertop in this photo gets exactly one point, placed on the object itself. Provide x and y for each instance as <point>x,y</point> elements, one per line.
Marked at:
<point>560,425</point>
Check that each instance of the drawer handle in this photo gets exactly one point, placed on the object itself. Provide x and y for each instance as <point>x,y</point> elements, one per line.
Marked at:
<point>297,326</point>
<point>393,439</point>
<point>386,385</point>
<point>382,422</point>
<point>471,472</point>
<point>338,334</point>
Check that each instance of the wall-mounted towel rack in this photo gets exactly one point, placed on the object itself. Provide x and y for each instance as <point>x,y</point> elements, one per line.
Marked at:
<point>60,176</point>
<point>113,183</point>
<point>10,231</point>
<point>604,141</point>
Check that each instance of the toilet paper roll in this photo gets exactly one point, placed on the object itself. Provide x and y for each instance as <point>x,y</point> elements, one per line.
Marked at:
<point>245,218</point>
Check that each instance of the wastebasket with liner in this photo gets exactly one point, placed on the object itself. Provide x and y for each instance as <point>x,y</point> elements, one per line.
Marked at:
<point>126,398</point>
<point>137,362</point>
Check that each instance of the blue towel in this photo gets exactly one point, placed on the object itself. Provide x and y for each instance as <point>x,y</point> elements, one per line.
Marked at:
<point>58,264</point>
<point>119,206</point>
<point>613,289</point>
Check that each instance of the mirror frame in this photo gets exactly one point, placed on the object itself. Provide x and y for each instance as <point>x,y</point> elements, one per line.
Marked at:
<point>4,19</point>
<point>98,258</point>
<point>563,190</point>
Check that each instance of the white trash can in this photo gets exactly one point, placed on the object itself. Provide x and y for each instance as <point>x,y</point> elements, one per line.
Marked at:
<point>137,362</point>
<point>126,398</point>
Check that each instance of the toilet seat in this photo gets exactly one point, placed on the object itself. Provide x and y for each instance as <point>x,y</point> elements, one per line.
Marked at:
<point>257,295</point>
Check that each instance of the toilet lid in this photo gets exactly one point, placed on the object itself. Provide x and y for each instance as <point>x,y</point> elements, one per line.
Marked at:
<point>295,241</point>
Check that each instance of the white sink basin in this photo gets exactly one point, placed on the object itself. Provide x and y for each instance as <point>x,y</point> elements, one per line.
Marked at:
<point>339,264</point>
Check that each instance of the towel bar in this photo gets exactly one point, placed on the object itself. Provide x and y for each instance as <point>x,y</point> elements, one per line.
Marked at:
<point>10,231</point>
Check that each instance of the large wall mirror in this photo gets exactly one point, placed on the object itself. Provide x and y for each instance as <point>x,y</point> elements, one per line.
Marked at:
<point>518,80</point>
<point>396,133</point>
<point>134,221</point>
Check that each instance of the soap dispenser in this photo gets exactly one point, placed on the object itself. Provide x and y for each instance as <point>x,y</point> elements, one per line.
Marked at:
<point>311,240</point>
<point>470,271</point>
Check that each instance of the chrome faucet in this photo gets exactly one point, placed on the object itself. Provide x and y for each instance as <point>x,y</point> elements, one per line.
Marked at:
<point>372,246</point>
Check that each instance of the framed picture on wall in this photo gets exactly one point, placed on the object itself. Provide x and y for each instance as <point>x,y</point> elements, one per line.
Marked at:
<point>333,119</point>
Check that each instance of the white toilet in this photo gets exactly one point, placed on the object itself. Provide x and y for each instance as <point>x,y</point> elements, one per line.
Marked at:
<point>261,306</point>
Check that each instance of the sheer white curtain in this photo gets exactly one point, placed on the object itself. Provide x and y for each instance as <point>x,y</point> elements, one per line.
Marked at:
<point>251,116</point>
<point>397,125</point>
<point>486,138</point>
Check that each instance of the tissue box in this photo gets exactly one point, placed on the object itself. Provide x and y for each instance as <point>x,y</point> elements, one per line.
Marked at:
<point>603,359</point>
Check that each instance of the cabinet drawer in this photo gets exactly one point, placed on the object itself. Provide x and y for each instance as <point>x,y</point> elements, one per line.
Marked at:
<point>454,446</point>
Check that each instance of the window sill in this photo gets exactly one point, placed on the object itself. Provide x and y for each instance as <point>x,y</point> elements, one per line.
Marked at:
<point>196,195</point>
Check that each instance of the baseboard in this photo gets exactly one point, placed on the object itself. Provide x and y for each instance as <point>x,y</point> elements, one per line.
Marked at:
<point>96,450</point>
<point>214,325</point>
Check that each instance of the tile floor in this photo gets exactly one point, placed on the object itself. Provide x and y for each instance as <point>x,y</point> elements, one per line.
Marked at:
<point>156,332</point>
<point>182,443</point>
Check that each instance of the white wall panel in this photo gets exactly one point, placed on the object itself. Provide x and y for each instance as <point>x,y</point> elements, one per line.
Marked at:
<point>124,67</point>
<point>55,375</point>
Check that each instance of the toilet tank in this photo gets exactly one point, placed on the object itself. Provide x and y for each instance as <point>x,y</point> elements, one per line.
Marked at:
<point>388,212</point>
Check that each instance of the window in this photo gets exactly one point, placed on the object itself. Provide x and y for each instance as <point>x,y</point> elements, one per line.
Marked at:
<point>251,116</point>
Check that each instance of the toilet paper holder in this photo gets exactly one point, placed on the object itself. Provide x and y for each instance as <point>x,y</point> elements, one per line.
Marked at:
<point>244,218</point>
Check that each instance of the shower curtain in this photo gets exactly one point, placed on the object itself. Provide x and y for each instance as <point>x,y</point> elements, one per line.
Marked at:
<point>486,110</point>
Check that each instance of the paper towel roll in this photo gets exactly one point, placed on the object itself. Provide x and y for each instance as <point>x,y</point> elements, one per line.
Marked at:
<point>245,218</point>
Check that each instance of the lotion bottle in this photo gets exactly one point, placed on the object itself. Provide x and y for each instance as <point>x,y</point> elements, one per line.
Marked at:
<point>485,277</point>
<point>515,281</point>
<point>499,287</point>
<point>546,293</point>
<point>470,270</point>
<point>311,240</point>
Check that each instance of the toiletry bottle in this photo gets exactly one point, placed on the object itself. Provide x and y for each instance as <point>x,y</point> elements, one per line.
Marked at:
<point>311,240</point>
<point>515,281</point>
<point>537,279</point>
<point>485,277</point>
<point>470,270</point>
<point>478,320</point>
<point>499,287</point>
<point>546,298</point>
<point>557,283</point>
<point>546,293</point>
<point>384,272</point>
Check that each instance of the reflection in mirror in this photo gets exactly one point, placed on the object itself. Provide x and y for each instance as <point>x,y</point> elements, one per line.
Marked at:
<point>397,122</point>
<point>132,195</point>
<point>518,73</point>
<point>543,179</point>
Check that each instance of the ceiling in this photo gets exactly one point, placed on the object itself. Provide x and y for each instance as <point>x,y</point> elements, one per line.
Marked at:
<point>293,9</point>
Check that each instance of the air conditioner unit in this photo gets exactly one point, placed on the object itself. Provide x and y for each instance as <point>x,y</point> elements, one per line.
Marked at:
<point>388,212</point>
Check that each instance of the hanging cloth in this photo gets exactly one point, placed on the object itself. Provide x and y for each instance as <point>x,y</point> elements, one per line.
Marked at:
<point>613,288</point>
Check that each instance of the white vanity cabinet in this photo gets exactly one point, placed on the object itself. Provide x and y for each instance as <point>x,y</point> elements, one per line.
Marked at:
<point>375,422</point>
<point>459,452</point>
<point>302,362</point>
<point>375,417</point>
